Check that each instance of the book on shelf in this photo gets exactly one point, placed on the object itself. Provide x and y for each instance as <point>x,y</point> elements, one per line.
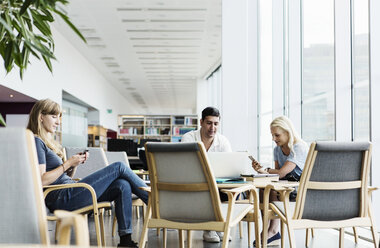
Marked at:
<point>190,121</point>
<point>130,131</point>
<point>261,177</point>
<point>176,139</point>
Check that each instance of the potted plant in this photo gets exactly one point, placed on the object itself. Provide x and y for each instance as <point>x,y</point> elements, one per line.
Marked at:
<point>25,29</point>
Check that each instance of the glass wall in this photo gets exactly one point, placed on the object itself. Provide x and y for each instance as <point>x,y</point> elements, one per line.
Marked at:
<point>360,70</point>
<point>265,151</point>
<point>214,88</point>
<point>318,122</point>
<point>316,67</point>
<point>74,125</point>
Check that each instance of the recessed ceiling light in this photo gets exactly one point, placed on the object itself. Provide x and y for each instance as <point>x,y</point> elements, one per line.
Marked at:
<point>11,96</point>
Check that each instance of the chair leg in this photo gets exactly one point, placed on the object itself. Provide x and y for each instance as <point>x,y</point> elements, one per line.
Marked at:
<point>180,238</point>
<point>137,208</point>
<point>375,235</point>
<point>144,233</point>
<point>158,231</point>
<point>249,232</point>
<point>144,210</point>
<point>292,240</point>
<point>164,236</point>
<point>57,223</point>
<point>101,220</point>
<point>114,222</point>
<point>241,229</point>
<point>189,239</point>
<point>97,228</point>
<point>307,237</point>
<point>282,234</point>
<point>341,237</point>
<point>356,237</point>
<point>226,239</point>
<point>312,232</point>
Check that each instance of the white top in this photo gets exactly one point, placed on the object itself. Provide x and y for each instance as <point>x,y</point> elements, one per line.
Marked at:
<point>219,144</point>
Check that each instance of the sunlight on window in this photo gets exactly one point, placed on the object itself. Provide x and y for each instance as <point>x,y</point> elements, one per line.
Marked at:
<point>318,70</point>
<point>360,70</point>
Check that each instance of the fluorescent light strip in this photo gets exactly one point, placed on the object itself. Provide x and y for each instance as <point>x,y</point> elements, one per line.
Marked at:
<point>173,46</point>
<point>158,38</point>
<point>165,30</point>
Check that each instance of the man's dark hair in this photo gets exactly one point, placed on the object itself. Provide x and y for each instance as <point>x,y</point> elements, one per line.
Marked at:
<point>210,111</point>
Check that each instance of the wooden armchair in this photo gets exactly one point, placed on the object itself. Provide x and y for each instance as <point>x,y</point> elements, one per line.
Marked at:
<point>184,194</point>
<point>96,160</point>
<point>333,191</point>
<point>23,217</point>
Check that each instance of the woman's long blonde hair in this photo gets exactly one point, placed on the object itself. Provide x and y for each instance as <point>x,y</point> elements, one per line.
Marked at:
<point>286,125</point>
<point>45,107</point>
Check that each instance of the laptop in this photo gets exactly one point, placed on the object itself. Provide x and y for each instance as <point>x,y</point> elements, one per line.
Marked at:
<point>229,164</point>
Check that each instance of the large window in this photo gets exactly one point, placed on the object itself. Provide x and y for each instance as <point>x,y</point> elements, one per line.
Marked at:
<point>265,82</point>
<point>318,70</point>
<point>360,70</point>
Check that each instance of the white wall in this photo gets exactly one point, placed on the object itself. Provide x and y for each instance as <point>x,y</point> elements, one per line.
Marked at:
<point>74,74</point>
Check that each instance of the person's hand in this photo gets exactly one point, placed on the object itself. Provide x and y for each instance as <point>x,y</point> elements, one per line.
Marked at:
<point>256,165</point>
<point>75,160</point>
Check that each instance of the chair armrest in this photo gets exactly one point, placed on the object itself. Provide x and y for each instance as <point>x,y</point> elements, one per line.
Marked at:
<point>240,189</point>
<point>371,189</point>
<point>147,189</point>
<point>279,188</point>
<point>51,188</point>
<point>70,220</point>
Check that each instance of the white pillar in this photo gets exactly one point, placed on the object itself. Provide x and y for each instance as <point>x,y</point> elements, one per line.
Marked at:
<point>375,102</point>
<point>239,74</point>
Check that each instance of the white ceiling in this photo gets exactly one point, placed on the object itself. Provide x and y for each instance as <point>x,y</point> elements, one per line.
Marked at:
<point>151,51</point>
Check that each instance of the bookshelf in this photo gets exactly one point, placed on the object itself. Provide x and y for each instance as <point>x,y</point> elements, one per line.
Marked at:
<point>162,127</point>
<point>97,137</point>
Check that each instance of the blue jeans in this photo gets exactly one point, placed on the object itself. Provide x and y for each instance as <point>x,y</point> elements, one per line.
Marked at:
<point>115,182</point>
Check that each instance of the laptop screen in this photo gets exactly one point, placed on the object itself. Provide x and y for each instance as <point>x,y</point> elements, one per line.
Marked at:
<point>230,164</point>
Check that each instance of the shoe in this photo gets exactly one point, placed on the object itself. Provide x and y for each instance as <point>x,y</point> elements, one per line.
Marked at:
<point>131,244</point>
<point>272,241</point>
<point>221,235</point>
<point>211,237</point>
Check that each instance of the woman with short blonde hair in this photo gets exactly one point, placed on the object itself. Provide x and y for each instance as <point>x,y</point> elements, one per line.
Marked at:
<point>289,158</point>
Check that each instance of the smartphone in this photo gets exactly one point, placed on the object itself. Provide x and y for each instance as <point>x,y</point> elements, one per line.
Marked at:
<point>251,158</point>
<point>84,152</point>
<point>254,161</point>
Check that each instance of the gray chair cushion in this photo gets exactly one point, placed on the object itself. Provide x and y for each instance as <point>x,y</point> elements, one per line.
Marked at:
<point>335,162</point>
<point>172,147</point>
<point>18,213</point>
<point>96,161</point>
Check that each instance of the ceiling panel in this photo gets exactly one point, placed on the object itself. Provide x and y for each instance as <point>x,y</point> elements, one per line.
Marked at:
<point>152,52</point>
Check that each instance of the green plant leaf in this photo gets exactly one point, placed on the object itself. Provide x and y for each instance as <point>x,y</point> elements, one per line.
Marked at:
<point>8,60</point>
<point>66,19</point>
<point>6,26</point>
<point>2,121</point>
<point>48,62</point>
<point>25,6</point>
<point>25,29</point>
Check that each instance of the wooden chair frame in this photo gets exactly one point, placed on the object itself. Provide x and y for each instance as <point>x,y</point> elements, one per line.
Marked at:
<point>97,208</point>
<point>68,220</point>
<point>295,221</point>
<point>154,220</point>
